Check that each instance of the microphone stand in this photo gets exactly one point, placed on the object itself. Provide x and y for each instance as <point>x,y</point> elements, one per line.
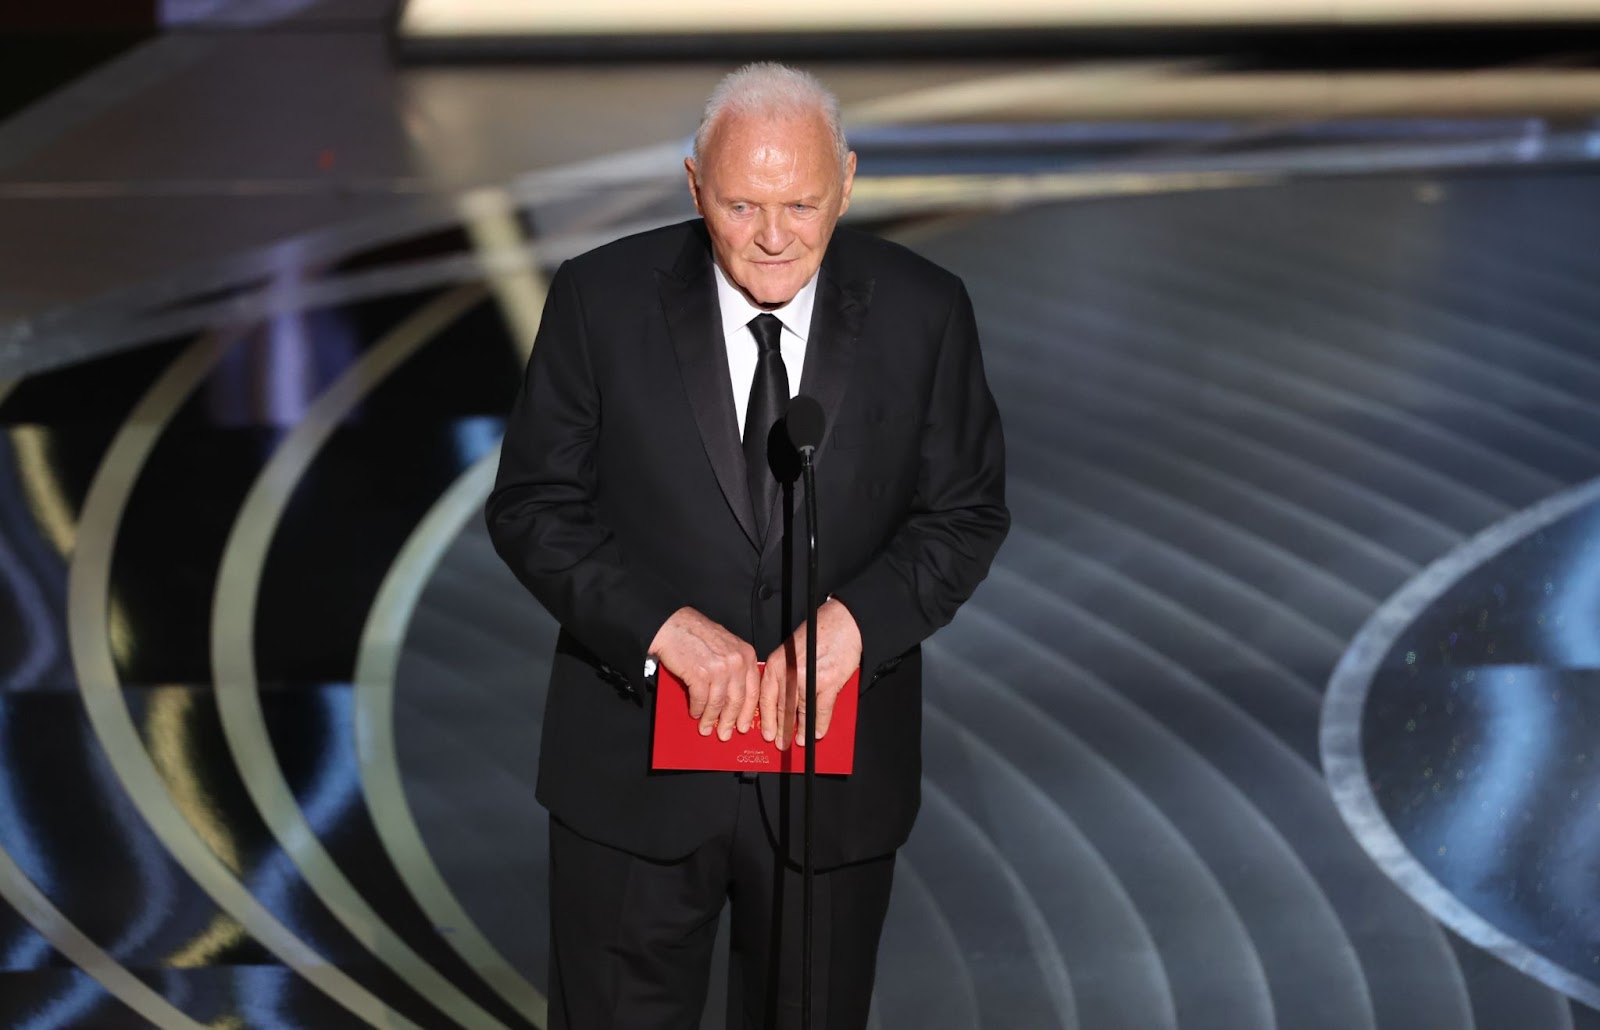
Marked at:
<point>808,872</point>
<point>805,423</point>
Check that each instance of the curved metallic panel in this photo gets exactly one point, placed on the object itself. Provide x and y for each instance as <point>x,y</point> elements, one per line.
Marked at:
<point>233,653</point>
<point>89,619</point>
<point>107,920</point>
<point>31,903</point>
<point>1069,881</point>
<point>1295,804</point>
<point>380,769</point>
<point>1351,399</point>
<point>1342,747</point>
<point>1002,920</point>
<point>1235,605</point>
<point>1049,323</point>
<point>1127,705</point>
<point>933,987</point>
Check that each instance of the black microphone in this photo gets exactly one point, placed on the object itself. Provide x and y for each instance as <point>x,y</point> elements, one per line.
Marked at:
<point>805,423</point>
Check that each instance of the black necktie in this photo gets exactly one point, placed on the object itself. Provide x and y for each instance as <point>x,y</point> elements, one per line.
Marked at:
<point>769,395</point>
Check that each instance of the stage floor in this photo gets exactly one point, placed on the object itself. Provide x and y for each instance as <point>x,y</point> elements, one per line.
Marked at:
<point>1276,710</point>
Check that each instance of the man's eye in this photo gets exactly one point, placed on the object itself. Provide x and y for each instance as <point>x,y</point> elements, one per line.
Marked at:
<point>740,209</point>
<point>801,207</point>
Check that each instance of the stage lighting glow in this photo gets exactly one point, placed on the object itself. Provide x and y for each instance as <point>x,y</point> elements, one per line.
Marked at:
<point>494,18</point>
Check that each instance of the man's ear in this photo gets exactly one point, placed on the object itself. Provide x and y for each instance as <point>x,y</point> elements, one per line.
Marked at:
<point>849,181</point>
<point>694,185</point>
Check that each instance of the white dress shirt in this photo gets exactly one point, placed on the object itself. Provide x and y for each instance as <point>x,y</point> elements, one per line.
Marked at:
<point>737,312</point>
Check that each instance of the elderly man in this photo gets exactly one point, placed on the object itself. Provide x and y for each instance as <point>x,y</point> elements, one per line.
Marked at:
<point>645,501</point>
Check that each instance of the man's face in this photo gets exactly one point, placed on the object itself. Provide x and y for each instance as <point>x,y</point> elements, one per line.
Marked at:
<point>771,191</point>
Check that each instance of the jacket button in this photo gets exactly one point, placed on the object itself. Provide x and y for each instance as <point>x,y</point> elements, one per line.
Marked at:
<point>765,592</point>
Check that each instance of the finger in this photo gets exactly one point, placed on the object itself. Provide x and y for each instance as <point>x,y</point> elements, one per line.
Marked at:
<point>796,706</point>
<point>800,703</point>
<point>716,700</point>
<point>771,698</point>
<point>752,697</point>
<point>698,695</point>
<point>825,703</point>
<point>786,711</point>
<point>734,704</point>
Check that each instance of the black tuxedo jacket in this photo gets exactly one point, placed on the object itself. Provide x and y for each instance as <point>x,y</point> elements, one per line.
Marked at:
<point>621,497</point>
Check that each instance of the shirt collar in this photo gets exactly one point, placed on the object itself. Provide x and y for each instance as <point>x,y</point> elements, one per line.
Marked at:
<point>737,311</point>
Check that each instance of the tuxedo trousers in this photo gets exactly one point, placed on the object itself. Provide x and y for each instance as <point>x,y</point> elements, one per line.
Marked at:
<point>631,938</point>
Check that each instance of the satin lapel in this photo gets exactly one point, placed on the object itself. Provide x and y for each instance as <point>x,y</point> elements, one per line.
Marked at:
<point>836,322</point>
<point>688,298</point>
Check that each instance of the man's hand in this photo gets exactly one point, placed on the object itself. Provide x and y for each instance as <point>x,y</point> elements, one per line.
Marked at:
<point>783,685</point>
<point>718,668</point>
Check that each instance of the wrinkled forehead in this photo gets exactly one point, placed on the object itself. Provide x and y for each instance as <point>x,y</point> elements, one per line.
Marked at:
<point>802,138</point>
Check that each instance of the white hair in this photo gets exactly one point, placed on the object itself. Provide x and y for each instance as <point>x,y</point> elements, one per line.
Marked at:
<point>769,88</point>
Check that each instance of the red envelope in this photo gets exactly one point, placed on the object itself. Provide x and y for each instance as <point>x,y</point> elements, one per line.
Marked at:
<point>679,745</point>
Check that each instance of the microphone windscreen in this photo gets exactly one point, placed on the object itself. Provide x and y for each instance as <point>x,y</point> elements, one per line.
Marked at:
<point>805,423</point>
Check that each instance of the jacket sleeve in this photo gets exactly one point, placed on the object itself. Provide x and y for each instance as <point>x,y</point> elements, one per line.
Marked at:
<point>542,514</point>
<point>957,517</point>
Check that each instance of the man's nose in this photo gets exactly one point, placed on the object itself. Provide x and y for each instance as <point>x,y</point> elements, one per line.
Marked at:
<point>773,236</point>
